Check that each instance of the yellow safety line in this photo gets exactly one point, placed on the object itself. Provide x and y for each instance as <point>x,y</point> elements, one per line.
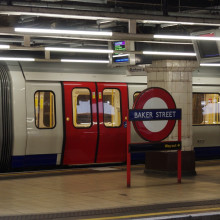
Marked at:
<point>155,214</point>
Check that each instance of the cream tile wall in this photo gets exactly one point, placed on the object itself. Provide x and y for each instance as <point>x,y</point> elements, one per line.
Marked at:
<point>175,76</point>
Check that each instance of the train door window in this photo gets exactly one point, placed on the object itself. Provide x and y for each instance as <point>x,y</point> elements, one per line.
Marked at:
<point>81,100</point>
<point>44,109</point>
<point>112,107</point>
<point>206,108</point>
<point>136,94</point>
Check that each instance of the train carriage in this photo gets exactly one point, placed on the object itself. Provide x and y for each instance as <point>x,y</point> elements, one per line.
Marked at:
<point>66,114</point>
<point>56,114</point>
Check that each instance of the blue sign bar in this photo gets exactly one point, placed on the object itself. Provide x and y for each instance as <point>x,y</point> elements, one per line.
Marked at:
<point>154,114</point>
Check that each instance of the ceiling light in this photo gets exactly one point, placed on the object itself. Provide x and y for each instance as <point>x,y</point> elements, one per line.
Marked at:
<point>169,53</point>
<point>179,23</point>
<point>120,55</point>
<point>104,21</point>
<point>4,47</point>
<point>70,32</point>
<point>169,22</point>
<point>186,37</point>
<point>16,59</point>
<point>79,50</point>
<point>209,64</point>
<point>84,61</point>
<point>52,15</point>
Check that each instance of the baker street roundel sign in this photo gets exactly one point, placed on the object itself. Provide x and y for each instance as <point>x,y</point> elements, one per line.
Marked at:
<point>154,98</point>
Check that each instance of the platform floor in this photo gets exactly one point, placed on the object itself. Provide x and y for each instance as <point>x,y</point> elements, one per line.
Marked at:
<point>63,191</point>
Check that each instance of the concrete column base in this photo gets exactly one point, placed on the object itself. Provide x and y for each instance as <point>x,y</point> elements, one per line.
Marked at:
<point>166,163</point>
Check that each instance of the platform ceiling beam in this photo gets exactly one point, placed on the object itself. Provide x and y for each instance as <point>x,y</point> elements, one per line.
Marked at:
<point>124,15</point>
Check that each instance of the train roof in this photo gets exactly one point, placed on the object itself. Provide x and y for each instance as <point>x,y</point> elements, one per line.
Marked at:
<point>47,71</point>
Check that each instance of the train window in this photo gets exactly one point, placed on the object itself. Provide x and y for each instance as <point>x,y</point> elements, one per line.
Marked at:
<point>136,94</point>
<point>206,109</point>
<point>112,107</point>
<point>44,109</point>
<point>81,99</point>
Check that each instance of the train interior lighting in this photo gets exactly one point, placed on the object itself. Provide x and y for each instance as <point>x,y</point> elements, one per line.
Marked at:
<point>81,99</point>
<point>44,109</point>
<point>206,108</point>
<point>112,107</point>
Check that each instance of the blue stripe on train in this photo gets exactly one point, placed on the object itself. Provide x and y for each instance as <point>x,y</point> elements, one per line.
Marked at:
<point>34,160</point>
<point>201,153</point>
<point>205,153</point>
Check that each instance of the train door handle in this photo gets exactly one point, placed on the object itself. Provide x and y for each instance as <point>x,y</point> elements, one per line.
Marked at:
<point>67,118</point>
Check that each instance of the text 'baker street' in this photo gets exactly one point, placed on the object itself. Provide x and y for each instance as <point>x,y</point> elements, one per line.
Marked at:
<point>153,114</point>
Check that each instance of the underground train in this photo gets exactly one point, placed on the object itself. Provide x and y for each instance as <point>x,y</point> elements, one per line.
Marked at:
<point>62,114</point>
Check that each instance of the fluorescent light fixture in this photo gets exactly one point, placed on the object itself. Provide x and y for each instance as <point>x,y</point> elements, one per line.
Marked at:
<point>55,15</point>
<point>104,21</point>
<point>169,53</point>
<point>120,55</point>
<point>169,22</point>
<point>4,47</point>
<point>78,50</point>
<point>84,61</point>
<point>186,37</point>
<point>70,32</point>
<point>209,64</point>
<point>180,23</point>
<point>16,59</point>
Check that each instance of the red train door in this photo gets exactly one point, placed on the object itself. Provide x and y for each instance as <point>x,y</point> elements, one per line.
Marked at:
<point>81,123</point>
<point>112,106</point>
<point>95,122</point>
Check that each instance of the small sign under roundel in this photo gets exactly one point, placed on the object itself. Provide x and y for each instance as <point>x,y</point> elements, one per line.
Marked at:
<point>154,114</point>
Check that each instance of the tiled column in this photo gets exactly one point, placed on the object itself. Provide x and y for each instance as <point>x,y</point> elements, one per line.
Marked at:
<point>175,76</point>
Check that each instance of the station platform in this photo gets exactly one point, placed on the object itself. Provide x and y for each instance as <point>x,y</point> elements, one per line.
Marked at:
<point>102,193</point>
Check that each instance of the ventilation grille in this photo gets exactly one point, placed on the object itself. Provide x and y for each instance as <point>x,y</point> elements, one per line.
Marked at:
<point>6,133</point>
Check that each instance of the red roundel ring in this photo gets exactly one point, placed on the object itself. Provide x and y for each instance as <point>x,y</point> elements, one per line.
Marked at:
<point>163,96</point>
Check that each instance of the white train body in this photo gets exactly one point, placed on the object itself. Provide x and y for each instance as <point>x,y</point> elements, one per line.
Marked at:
<point>24,145</point>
